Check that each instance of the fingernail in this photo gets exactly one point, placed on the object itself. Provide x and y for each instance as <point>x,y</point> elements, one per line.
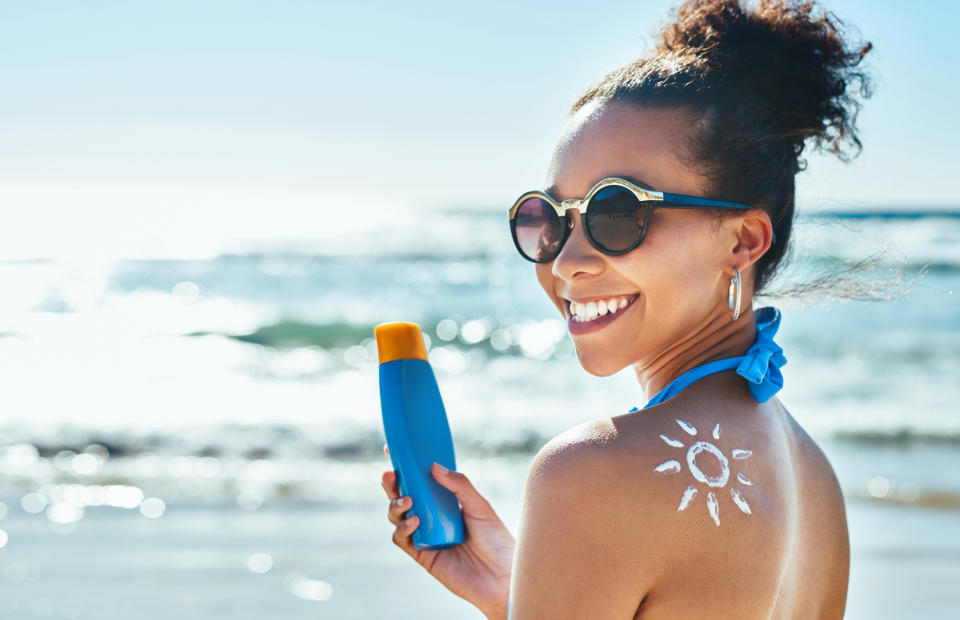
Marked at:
<point>443,470</point>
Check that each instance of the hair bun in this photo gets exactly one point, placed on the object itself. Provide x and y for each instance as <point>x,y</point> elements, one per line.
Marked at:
<point>780,60</point>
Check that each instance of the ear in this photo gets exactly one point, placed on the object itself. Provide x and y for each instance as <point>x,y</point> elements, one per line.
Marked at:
<point>751,236</point>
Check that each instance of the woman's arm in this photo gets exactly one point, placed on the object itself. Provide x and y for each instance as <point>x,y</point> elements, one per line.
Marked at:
<point>582,550</point>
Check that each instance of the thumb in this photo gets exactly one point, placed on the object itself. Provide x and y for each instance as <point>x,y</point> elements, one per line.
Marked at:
<point>460,485</point>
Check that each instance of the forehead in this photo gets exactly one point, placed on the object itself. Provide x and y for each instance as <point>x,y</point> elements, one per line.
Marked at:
<point>637,142</point>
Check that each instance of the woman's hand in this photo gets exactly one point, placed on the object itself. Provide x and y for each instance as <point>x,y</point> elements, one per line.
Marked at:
<point>478,569</point>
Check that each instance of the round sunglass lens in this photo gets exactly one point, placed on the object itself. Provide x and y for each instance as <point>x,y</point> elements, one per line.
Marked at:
<point>615,218</point>
<point>537,229</point>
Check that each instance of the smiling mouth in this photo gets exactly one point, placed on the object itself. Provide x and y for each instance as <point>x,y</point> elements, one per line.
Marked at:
<point>596,309</point>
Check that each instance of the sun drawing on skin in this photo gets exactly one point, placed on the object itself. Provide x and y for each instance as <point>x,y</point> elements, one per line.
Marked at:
<point>714,482</point>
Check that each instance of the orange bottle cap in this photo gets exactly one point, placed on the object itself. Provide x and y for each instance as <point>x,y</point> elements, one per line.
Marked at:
<point>399,341</point>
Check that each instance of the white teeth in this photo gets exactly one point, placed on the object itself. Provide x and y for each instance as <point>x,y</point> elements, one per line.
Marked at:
<point>592,309</point>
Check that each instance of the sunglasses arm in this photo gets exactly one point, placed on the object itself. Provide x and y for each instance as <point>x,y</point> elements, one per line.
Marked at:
<point>683,201</point>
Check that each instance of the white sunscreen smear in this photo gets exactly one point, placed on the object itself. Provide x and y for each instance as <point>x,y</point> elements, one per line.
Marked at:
<point>671,442</point>
<point>690,428</point>
<point>739,501</point>
<point>668,467</point>
<point>688,495</point>
<point>713,507</point>
<point>706,450</point>
<point>705,446</point>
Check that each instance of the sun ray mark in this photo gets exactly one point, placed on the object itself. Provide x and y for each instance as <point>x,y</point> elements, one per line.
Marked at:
<point>688,495</point>
<point>700,454</point>
<point>667,467</point>
<point>689,428</point>
<point>713,506</point>
<point>671,442</point>
<point>739,501</point>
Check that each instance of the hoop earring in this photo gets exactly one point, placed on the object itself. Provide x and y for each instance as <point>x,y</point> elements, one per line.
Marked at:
<point>734,282</point>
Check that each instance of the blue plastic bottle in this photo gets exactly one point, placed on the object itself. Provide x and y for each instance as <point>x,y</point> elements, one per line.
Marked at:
<point>415,424</point>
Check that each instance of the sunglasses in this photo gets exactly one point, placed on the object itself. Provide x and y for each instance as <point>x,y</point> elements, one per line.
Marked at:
<point>615,213</point>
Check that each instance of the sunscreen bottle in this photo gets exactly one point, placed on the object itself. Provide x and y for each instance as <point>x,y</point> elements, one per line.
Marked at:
<point>417,432</point>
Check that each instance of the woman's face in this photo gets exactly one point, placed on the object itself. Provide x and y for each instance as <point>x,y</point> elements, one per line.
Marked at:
<point>680,272</point>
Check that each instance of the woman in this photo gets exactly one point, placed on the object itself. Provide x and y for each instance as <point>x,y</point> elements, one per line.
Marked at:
<point>711,501</point>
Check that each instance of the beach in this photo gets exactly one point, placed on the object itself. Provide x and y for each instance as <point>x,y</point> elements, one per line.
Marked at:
<point>303,559</point>
<point>200,437</point>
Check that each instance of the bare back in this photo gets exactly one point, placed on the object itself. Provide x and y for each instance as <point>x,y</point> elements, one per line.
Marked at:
<point>742,513</point>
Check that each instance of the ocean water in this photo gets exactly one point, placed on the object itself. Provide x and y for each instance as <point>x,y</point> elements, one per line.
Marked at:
<point>242,381</point>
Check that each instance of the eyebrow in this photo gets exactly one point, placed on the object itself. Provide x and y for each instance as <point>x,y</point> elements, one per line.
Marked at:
<point>553,188</point>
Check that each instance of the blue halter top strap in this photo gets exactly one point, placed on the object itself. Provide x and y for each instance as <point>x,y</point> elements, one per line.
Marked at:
<point>760,366</point>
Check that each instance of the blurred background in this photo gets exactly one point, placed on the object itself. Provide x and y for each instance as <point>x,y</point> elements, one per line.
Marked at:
<point>207,206</point>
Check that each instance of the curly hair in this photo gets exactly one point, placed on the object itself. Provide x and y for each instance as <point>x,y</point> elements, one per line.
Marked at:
<point>756,84</point>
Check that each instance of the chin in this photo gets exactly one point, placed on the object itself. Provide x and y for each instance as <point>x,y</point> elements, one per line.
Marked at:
<point>599,365</point>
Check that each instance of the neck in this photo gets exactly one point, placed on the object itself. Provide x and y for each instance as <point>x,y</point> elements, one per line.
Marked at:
<point>719,338</point>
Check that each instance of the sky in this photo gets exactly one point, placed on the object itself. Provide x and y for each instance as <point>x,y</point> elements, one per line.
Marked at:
<point>255,118</point>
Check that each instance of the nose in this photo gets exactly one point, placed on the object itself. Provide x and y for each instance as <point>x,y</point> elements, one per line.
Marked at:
<point>577,255</point>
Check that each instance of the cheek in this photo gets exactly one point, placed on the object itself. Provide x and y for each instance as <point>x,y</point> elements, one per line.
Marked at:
<point>669,273</point>
<point>544,277</point>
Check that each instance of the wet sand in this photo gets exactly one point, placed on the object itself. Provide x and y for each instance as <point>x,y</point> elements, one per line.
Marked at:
<point>307,560</point>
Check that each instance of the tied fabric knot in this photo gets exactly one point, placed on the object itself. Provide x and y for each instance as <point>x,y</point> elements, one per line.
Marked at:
<point>761,364</point>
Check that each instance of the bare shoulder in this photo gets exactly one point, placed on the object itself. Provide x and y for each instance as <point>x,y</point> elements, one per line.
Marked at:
<point>815,461</point>
<point>603,477</point>
<point>823,523</point>
<point>716,475</point>
<point>715,469</point>
<point>707,504</point>
<point>580,519</point>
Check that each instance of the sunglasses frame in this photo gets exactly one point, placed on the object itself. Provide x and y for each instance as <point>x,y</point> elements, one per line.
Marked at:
<point>646,197</point>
